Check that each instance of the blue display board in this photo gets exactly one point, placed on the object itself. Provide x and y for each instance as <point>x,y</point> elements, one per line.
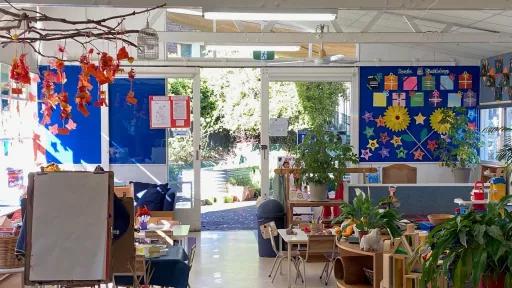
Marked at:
<point>131,139</point>
<point>400,109</point>
<point>82,145</point>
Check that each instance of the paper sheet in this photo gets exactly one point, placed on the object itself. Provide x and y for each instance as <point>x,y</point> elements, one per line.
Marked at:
<point>160,112</point>
<point>69,226</point>
<point>278,127</point>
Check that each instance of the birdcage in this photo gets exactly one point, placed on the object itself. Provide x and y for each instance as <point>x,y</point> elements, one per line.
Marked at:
<point>147,42</point>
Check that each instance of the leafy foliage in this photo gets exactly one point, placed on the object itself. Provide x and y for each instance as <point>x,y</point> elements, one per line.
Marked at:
<point>461,151</point>
<point>471,246</point>
<point>367,216</point>
<point>505,153</point>
<point>324,157</point>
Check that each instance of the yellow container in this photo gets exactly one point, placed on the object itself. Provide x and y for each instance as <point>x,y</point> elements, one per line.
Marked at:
<point>497,189</point>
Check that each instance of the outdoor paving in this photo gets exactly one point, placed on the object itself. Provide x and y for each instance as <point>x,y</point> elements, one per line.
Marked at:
<point>229,216</point>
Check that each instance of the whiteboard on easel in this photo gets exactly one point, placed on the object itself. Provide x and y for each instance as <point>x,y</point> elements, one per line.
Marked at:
<point>69,227</point>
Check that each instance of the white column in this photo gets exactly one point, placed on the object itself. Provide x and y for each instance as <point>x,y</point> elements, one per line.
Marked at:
<point>264,139</point>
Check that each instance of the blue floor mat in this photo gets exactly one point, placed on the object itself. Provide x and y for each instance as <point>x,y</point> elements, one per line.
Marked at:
<point>243,218</point>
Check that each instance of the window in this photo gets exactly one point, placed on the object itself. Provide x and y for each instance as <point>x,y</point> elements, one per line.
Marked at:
<point>492,142</point>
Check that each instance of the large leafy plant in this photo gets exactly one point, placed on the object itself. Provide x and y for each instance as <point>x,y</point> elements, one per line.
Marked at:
<point>367,216</point>
<point>459,149</point>
<point>324,157</point>
<point>505,153</point>
<point>471,247</point>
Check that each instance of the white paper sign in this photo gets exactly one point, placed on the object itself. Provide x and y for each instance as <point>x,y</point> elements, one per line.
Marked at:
<point>179,109</point>
<point>278,127</point>
<point>160,112</point>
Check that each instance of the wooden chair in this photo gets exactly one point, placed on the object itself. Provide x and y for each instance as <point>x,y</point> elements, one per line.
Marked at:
<point>399,174</point>
<point>320,248</point>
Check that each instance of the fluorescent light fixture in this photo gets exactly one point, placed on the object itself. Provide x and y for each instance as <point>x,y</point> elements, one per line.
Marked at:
<point>195,12</point>
<point>313,15</point>
<point>251,48</point>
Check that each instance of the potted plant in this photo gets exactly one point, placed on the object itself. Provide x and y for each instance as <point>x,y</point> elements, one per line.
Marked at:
<point>474,247</point>
<point>324,158</point>
<point>366,216</point>
<point>458,149</point>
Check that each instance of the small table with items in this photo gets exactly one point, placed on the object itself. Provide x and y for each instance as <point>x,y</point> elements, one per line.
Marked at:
<point>168,233</point>
<point>308,203</point>
<point>299,238</point>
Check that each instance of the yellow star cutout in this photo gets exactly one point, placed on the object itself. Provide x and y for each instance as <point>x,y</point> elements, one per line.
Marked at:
<point>396,141</point>
<point>372,144</point>
<point>420,119</point>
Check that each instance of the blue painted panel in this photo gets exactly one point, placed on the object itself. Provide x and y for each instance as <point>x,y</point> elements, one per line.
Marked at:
<point>131,139</point>
<point>416,136</point>
<point>82,145</point>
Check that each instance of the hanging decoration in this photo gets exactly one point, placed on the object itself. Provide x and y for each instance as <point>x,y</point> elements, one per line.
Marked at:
<point>19,74</point>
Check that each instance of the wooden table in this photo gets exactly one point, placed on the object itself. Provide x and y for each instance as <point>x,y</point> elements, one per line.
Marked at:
<point>299,238</point>
<point>308,203</point>
<point>5,273</point>
<point>168,233</point>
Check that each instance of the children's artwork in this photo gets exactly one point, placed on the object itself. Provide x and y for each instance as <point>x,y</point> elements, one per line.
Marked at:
<point>428,82</point>
<point>498,65</point>
<point>465,81</point>
<point>417,99</point>
<point>391,82</point>
<point>373,82</point>
<point>379,99</point>
<point>435,100</point>
<point>405,128</point>
<point>410,83</point>
<point>399,99</point>
<point>454,99</point>
<point>447,82</point>
<point>484,67</point>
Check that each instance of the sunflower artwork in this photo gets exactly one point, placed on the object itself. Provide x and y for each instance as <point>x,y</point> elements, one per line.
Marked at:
<point>403,127</point>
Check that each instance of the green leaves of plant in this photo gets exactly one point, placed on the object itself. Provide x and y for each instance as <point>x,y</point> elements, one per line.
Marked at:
<point>495,232</point>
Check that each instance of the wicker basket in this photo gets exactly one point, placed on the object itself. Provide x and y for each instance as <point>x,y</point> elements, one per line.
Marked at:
<point>8,257</point>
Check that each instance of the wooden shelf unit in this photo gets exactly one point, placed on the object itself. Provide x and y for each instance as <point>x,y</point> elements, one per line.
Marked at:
<point>354,259</point>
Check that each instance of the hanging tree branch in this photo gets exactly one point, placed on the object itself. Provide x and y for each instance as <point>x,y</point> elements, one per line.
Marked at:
<point>26,28</point>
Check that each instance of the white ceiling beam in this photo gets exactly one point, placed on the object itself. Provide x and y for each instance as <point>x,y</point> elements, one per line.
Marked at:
<point>268,26</point>
<point>296,4</point>
<point>337,26</point>
<point>347,37</point>
<point>447,28</point>
<point>413,25</point>
<point>439,21</point>
<point>372,22</point>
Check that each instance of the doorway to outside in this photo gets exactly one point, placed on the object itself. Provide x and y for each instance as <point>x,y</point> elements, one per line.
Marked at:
<point>230,136</point>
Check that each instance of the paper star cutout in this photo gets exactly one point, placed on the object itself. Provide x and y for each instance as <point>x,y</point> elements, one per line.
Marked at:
<point>367,116</point>
<point>54,129</point>
<point>420,119</point>
<point>368,132</point>
<point>396,140</point>
<point>384,152</point>
<point>365,153</point>
<point>372,144</point>
<point>71,125</point>
<point>384,138</point>
<point>446,138</point>
<point>418,154</point>
<point>380,121</point>
<point>472,126</point>
<point>432,145</point>
<point>400,153</point>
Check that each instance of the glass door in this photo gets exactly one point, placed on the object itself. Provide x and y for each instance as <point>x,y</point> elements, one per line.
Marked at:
<point>183,151</point>
<point>291,100</point>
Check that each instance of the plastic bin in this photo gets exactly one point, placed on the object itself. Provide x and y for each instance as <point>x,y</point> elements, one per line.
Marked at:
<point>268,211</point>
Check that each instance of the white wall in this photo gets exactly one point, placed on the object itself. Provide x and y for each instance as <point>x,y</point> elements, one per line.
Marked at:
<point>391,55</point>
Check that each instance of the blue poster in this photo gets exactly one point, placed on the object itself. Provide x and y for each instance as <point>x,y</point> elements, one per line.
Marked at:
<point>400,109</point>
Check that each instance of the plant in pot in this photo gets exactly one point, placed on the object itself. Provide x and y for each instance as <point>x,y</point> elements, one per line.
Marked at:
<point>323,159</point>
<point>475,247</point>
<point>458,149</point>
<point>366,216</point>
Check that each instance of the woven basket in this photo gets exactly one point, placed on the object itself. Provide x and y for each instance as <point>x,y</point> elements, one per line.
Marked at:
<point>8,257</point>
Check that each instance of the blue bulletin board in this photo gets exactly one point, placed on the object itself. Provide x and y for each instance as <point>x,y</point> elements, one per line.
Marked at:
<point>400,108</point>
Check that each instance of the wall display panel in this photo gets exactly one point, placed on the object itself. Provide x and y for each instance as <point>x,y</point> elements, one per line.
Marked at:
<point>131,139</point>
<point>495,79</point>
<point>82,145</point>
<point>400,109</point>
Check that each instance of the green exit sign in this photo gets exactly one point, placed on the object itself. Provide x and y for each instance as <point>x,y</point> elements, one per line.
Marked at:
<point>263,55</point>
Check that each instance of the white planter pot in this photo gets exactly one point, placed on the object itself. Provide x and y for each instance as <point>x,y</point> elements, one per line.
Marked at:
<point>318,192</point>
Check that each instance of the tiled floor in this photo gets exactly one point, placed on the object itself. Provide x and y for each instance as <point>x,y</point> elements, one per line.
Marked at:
<point>230,260</point>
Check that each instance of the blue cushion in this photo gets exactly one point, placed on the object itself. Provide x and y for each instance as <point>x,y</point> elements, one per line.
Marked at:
<point>139,187</point>
<point>170,201</point>
<point>153,199</point>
